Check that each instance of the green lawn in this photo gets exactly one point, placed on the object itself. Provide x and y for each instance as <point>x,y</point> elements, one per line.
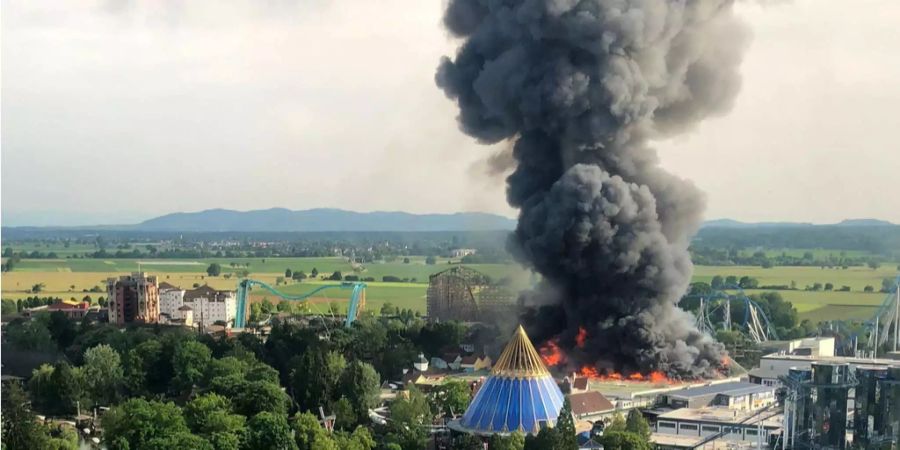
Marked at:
<point>855,277</point>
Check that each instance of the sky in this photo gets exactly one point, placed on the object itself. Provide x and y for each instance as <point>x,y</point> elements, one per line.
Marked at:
<point>117,111</point>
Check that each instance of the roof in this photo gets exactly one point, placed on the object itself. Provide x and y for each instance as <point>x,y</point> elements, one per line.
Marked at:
<point>718,414</point>
<point>469,360</point>
<point>519,394</point>
<point>520,359</point>
<point>204,292</point>
<point>733,388</point>
<point>591,402</point>
<point>168,287</point>
<point>580,383</point>
<point>185,308</point>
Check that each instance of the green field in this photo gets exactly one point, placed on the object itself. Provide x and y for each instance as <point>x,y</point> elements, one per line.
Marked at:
<point>67,278</point>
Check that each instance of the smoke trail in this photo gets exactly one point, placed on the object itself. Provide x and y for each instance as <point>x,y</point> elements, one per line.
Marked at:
<point>581,86</point>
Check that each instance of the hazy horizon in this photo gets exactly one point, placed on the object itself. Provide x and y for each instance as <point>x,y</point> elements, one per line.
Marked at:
<point>116,112</point>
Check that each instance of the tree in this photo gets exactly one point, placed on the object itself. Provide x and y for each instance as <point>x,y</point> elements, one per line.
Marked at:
<point>210,416</point>
<point>315,273</point>
<point>360,439</point>
<point>180,441</point>
<point>214,270</point>
<point>29,335</point>
<point>874,264</point>
<point>103,373</point>
<point>309,434</point>
<point>451,398</point>
<point>731,280</point>
<point>514,441</point>
<point>288,273</point>
<point>829,287</point>
<point>189,363</point>
<point>748,282</point>
<point>717,282</point>
<point>467,442</point>
<point>37,288</point>
<point>336,276</point>
<point>405,260</point>
<point>430,260</point>
<point>360,384</point>
<point>388,309</point>
<point>258,396</point>
<point>565,428</point>
<point>269,431</point>
<point>868,288</point>
<point>299,275</point>
<point>314,377</point>
<point>623,440</point>
<point>344,416</point>
<point>616,424</point>
<point>136,423</point>
<point>637,424</point>
<point>887,285</point>
<point>20,427</point>
<point>62,330</point>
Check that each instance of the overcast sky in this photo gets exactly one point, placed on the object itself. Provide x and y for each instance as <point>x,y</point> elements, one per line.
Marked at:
<point>117,111</point>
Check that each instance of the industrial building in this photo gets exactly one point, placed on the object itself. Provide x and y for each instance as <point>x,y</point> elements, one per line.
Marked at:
<point>464,294</point>
<point>695,427</point>
<point>133,299</point>
<point>735,395</point>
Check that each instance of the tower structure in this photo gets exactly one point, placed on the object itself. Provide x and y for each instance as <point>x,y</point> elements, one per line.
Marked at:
<point>519,395</point>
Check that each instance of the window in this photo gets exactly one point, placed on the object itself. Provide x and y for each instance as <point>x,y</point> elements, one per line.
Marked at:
<point>689,426</point>
<point>710,428</point>
<point>669,425</point>
<point>750,432</point>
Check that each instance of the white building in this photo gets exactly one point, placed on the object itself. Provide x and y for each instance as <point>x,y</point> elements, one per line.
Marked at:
<point>170,299</point>
<point>210,306</point>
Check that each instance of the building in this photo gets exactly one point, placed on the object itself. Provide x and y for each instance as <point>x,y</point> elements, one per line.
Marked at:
<point>519,395</point>
<point>133,299</point>
<point>421,363</point>
<point>735,395</point>
<point>211,306</point>
<point>461,252</point>
<point>591,406</point>
<point>474,363</point>
<point>687,428</point>
<point>773,367</point>
<point>186,314</point>
<point>463,294</point>
<point>74,311</point>
<point>171,298</point>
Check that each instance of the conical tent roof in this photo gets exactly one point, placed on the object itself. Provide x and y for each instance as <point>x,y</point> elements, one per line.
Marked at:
<point>519,395</point>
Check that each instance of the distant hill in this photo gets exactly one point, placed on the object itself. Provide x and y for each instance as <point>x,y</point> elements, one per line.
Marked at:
<point>281,220</point>
<point>731,223</point>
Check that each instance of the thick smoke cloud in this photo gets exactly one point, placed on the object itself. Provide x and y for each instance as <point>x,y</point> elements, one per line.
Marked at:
<point>581,87</point>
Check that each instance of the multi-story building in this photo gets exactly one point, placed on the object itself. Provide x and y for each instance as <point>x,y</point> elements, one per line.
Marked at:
<point>133,299</point>
<point>210,305</point>
<point>171,298</point>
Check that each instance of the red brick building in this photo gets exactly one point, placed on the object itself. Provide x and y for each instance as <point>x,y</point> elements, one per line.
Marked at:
<point>133,299</point>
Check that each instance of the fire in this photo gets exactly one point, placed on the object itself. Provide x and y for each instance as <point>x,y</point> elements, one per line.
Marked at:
<point>653,377</point>
<point>552,354</point>
<point>581,337</point>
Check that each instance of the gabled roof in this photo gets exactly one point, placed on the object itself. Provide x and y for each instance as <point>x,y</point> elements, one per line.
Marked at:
<point>469,360</point>
<point>204,292</point>
<point>164,286</point>
<point>590,402</point>
<point>580,383</point>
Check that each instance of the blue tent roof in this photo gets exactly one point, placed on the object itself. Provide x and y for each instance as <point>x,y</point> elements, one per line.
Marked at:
<point>519,395</point>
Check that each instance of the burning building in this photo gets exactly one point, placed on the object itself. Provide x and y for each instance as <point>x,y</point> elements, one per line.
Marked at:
<point>464,294</point>
<point>519,395</point>
<point>579,91</point>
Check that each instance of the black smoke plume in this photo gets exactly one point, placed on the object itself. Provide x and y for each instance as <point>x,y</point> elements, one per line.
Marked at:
<point>581,87</point>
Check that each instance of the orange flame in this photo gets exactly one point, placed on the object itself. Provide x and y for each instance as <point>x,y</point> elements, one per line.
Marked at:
<point>581,337</point>
<point>653,377</point>
<point>552,354</point>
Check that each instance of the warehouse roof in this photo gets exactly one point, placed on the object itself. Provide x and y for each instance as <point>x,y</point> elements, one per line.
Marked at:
<point>732,389</point>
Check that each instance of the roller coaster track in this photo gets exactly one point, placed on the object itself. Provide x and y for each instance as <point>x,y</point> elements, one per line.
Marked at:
<point>357,298</point>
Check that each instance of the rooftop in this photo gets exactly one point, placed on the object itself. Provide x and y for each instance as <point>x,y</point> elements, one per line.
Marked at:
<point>723,415</point>
<point>590,403</point>
<point>732,388</point>
<point>831,359</point>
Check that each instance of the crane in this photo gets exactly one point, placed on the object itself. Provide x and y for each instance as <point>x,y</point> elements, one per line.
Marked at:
<point>357,298</point>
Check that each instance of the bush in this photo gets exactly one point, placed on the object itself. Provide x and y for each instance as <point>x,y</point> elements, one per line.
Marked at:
<point>390,279</point>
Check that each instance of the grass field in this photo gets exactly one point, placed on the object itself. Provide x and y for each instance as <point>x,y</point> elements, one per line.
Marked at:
<point>59,277</point>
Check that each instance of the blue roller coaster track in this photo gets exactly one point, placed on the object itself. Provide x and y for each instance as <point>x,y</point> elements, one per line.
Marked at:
<point>357,298</point>
<point>755,320</point>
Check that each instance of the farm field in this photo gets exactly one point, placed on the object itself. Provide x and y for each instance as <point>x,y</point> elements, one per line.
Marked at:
<point>67,278</point>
